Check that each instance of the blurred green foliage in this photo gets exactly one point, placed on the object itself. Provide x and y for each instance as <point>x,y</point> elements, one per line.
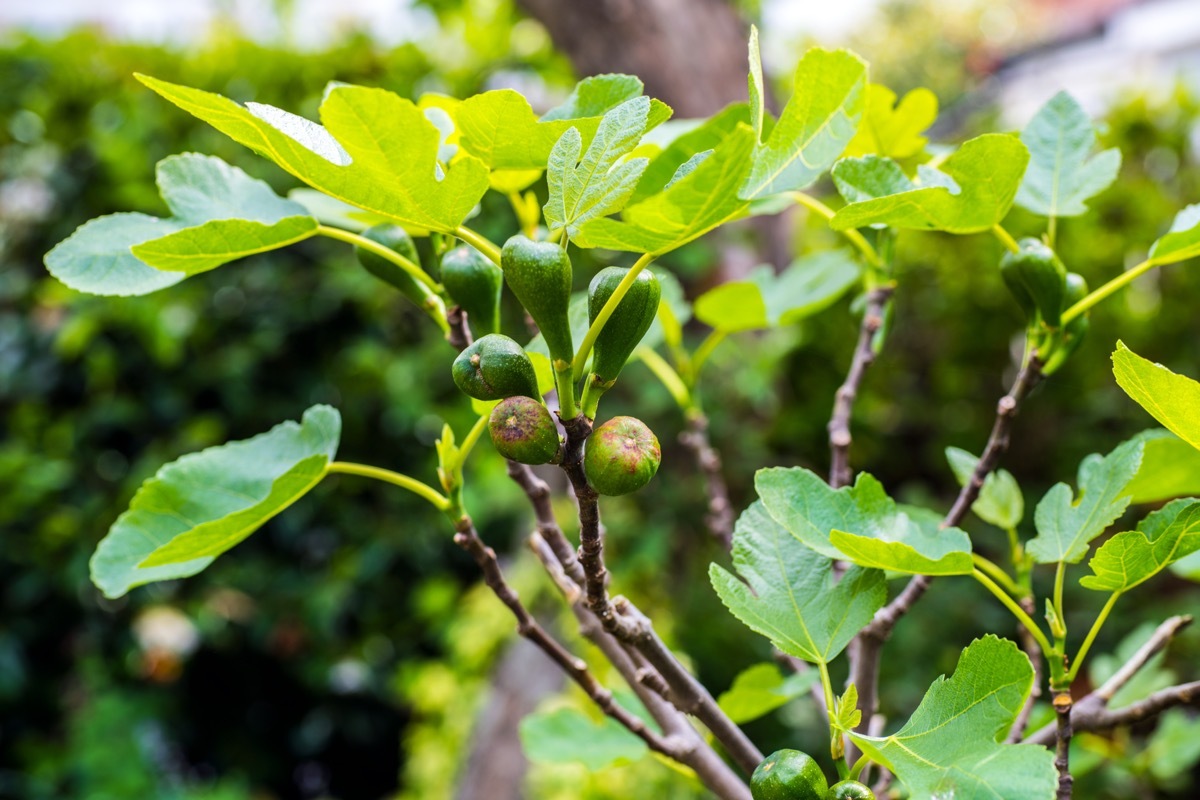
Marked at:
<point>347,648</point>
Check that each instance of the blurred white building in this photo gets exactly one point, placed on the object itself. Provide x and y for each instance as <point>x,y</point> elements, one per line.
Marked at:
<point>1104,47</point>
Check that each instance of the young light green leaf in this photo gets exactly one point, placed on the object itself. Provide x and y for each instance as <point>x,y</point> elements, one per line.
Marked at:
<point>808,286</point>
<point>1170,468</point>
<point>1172,399</point>
<point>1000,500</point>
<point>815,126</point>
<point>595,96</point>
<point>732,307</point>
<point>971,192</point>
<point>846,714</point>
<point>376,151</point>
<point>793,597</point>
<point>906,546</point>
<point>1063,174</point>
<point>861,523</point>
<point>331,211</point>
<point>688,148</point>
<point>691,207</point>
<point>566,735</point>
<point>1182,241</point>
<point>219,214</point>
<point>1066,524</point>
<point>803,503</point>
<point>500,128</point>
<point>762,688</point>
<point>1133,557</point>
<point>594,185</point>
<point>952,744</point>
<point>199,506</point>
<point>894,130</point>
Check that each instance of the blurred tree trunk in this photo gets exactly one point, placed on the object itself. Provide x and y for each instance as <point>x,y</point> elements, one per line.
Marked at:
<point>496,765</point>
<point>691,54</point>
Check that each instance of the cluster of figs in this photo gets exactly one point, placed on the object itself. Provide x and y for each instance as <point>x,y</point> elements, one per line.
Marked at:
<point>622,454</point>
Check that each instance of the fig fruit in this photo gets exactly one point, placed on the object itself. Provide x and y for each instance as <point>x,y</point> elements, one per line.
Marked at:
<point>523,430</point>
<point>474,283</point>
<point>621,456</point>
<point>495,367</point>
<point>539,274</point>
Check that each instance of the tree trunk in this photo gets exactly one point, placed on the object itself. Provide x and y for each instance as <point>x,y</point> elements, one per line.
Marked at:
<point>691,54</point>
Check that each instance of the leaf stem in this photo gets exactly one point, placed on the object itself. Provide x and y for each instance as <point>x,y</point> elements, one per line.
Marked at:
<point>1059,576</point>
<point>606,312</point>
<point>414,271</point>
<point>480,243</point>
<point>472,437</point>
<point>667,374</point>
<point>705,349</point>
<point>1091,637</point>
<point>413,485</point>
<point>856,238</point>
<point>999,575</point>
<point>1119,282</point>
<point>858,767</point>
<point>1016,610</point>
<point>1006,238</point>
<point>564,381</point>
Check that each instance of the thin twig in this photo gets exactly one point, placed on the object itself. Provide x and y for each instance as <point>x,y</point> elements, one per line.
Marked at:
<point>688,747</point>
<point>1091,712</point>
<point>840,473</point>
<point>1062,748</point>
<point>468,539</point>
<point>1158,640</point>
<point>621,618</point>
<point>591,537</point>
<point>1102,719</point>
<point>720,512</point>
<point>868,645</point>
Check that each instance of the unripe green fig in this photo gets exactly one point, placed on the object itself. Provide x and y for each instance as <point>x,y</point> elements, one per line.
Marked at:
<point>474,283</point>
<point>629,321</point>
<point>622,456</point>
<point>539,274</point>
<point>523,430</point>
<point>395,238</point>
<point>495,367</point>
<point>850,790</point>
<point>1037,279</point>
<point>788,775</point>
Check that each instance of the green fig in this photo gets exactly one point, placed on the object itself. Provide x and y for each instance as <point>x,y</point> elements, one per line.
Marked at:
<point>539,274</point>
<point>1073,333</point>
<point>1037,279</point>
<point>788,775</point>
<point>850,790</point>
<point>523,431</point>
<point>629,321</point>
<point>495,367</point>
<point>474,283</point>
<point>622,456</point>
<point>395,238</point>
